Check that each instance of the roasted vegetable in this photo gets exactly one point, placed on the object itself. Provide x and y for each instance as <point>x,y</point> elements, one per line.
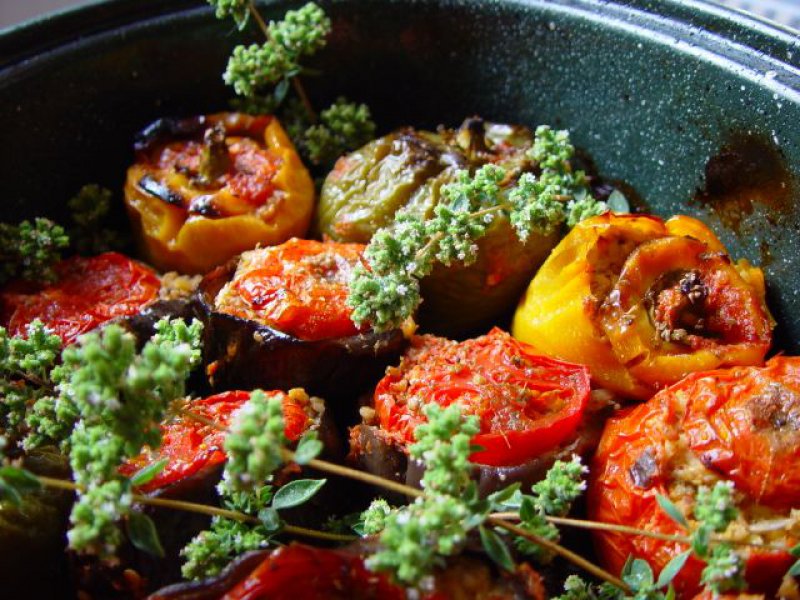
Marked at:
<point>406,170</point>
<point>192,447</point>
<point>87,293</point>
<point>298,571</point>
<point>644,302</point>
<point>203,190</point>
<point>277,319</point>
<point>532,409</point>
<point>738,424</point>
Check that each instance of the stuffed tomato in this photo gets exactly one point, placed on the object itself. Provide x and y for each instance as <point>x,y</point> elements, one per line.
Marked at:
<point>298,571</point>
<point>193,450</point>
<point>87,293</point>
<point>203,190</point>
<point>740,425</point>
<point>645,302</point>
<point>406,170</point>
<point>532,409</point>
<point>278,318</point>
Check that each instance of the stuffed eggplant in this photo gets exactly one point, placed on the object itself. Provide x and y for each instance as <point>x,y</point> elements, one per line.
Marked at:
<point>645,302</point>
<point>87,293</point>
<point>298,571</point>
<point>406,170</point>
<point>533,410</point>
<point>195,457</point>
<point>740,425</point>
<point>277,318</point>
<point>204,189</point>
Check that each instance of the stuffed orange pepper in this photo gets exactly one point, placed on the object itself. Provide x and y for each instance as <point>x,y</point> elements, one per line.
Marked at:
<point>644,302</point>
<point>205,189</point>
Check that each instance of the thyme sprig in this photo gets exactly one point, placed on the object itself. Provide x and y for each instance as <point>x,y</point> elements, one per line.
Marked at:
<point>262,74</point>
<point>385,290</point>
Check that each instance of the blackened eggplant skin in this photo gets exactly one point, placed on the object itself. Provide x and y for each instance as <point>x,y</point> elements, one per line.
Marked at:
<point>371,451</point>
<point>244,354</point>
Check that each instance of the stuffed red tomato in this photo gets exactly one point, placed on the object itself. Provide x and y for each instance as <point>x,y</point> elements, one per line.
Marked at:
<point>87,293</point>
<point>740,425</point>
<point>278,318</point>
<point>532,409</point>
<point>193,447</point>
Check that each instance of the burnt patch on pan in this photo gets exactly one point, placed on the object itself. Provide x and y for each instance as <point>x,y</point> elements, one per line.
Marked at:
<point>748,171</point>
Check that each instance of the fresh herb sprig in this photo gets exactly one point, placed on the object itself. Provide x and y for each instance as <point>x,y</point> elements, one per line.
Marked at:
<point>29,250</point>
<point>262,75</point>
<point>385,291</point>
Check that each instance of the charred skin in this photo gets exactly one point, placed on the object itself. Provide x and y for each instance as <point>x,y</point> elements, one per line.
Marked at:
<point>644,302</point>
<point>204,189</point>
<point>405,170</point>
<point>299,571</point>
<point>245,354</point>
<point>725,424</point>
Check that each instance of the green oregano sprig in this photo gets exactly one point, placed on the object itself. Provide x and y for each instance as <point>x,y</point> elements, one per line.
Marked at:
<point>29,250</point>
<point>120,398</point>
<point>256,447</point>
<point>416,538</point>
<point>385,291</point>
<point>262,74</point>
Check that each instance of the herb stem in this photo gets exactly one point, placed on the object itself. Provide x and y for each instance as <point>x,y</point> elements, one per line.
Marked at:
<point>297,84</point>
<point>571,556</point>
<point>600,526</point>
<point>205,509</point>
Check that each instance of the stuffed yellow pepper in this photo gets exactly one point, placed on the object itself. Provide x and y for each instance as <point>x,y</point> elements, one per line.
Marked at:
<point>205,189</point>
<point>645,302</point>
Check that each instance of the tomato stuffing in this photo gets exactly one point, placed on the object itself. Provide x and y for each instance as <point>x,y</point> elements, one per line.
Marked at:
<point>299,288</point>
<point>191,446</point>
<point>736,424</point>
<point>526,403</point>
<point>87,293</point>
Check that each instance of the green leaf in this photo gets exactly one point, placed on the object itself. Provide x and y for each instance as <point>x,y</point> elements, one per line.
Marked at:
<point>700,541</point>
<point>9,494</point>
<point>296,492</point>
<point>270,518</point>
<point>281,90</point>
<point>671,569</point>
<point>500,497</point>
<point>526,509</point>
<point>795,551</point>
<point>21,480</point>
<point>308,448</point>
<point>496,549</point>
<point>638,574</point>
<point>618,203</point>
<point>669,507</point>
<point>148,473</point>
<point>794,570</point>
<point>670,595</point>
<point>143,534</point>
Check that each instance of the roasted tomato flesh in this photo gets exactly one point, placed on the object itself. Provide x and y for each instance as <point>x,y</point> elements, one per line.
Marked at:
<point>737,424</point>
<point>526,403</point>
<point>299,288</point>
<point>87,293</point>
<point>190,445</point>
